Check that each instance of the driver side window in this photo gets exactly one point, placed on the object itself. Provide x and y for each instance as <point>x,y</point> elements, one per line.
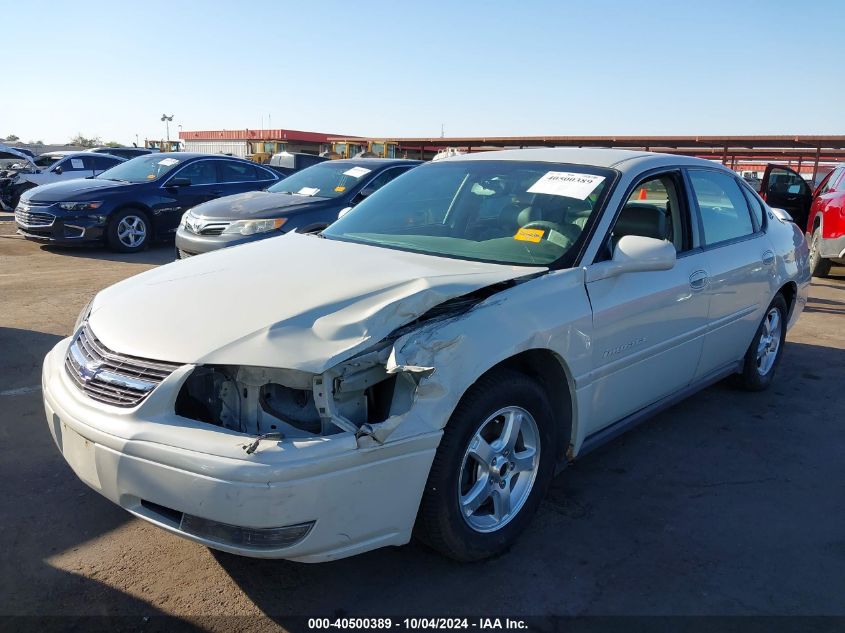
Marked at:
<point>654,209</point>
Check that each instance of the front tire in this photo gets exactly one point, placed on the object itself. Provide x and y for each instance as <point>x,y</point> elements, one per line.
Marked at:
<point>492,469</point>
<point>766,349</point>
<point>819,266</point>
<point>128,231</point>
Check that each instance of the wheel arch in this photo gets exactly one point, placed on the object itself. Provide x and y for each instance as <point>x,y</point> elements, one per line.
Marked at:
<point>789,291</point>
<point>552,372</point>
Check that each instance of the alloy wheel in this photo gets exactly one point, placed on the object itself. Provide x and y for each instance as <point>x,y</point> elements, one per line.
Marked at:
<point>498,469</point>
<point>131,231</point>
<point>769,343</point>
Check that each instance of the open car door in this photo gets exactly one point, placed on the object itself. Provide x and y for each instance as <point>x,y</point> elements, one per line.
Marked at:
<point>786,189</point>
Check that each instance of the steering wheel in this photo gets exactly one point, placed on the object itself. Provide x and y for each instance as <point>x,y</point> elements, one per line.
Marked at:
<point>569,231</point>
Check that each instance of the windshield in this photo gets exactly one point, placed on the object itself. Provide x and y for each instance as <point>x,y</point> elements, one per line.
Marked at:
<point>326,180</point>
<point>505,212</point>
<point>141,169</point>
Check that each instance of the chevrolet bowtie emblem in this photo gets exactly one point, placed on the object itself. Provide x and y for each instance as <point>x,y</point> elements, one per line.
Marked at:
<point>89,370</point>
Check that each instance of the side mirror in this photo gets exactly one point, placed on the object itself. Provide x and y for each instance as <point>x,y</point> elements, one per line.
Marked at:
<point>635,254</point>
<point>179,182</point>
<point>58,170</point>
<point>343,212</point>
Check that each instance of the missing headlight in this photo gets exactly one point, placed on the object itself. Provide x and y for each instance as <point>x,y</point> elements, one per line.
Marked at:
<point>290,403</point>
<point>295,406</point>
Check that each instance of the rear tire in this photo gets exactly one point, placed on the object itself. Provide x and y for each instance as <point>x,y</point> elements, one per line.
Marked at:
<point>486,481</point>
<point>128,231</point>
<point>819,266</point>
<point>764,353</point>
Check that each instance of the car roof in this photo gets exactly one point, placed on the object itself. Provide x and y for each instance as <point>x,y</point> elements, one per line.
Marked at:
<point>373,161</point>
<point>85,154</point>
<point>140,149</point>
<point>620,159</point>
<point>189,155</point>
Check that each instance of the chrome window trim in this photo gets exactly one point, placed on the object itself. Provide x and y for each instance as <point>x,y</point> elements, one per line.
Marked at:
<point>235,182</point>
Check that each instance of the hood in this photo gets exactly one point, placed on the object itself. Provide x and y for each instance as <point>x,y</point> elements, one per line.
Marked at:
<point>11,152</point>
<point>294,302</point>
<point>78,188</point>
<point>259,204</point>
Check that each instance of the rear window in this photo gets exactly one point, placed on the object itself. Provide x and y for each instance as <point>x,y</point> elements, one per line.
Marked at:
<point>723,207</point>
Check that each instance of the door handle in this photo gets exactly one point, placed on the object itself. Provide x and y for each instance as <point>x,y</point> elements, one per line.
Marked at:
<point>768,258</point>
<point>698,279</point>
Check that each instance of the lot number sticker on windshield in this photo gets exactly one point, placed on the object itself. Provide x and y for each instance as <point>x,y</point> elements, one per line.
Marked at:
<point>529,235</point>
<point>308,191</point>
<point>356,172</point>
<point>76,163</point>
<point>567,183</point>
<point>167,162</point>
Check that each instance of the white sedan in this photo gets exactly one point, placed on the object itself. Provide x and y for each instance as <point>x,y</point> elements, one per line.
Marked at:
<point>426,363</point>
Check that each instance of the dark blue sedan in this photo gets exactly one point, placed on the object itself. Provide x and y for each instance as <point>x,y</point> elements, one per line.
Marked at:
<point>135,202</point>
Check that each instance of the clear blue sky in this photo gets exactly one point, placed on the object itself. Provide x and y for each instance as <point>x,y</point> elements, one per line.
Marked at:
<point>402,68</point>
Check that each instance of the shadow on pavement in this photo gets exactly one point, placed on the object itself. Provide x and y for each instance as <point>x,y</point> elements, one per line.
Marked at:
<point>162,253</point>
<point>45,510</point>
<point>726,504</point>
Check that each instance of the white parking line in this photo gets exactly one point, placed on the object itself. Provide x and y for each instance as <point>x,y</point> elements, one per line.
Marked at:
<point>20,391</point>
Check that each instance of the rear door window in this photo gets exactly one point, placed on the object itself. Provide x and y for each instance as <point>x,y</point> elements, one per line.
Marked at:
<point>722,206</point>
<point>232,171</point>
<point>101,163</point>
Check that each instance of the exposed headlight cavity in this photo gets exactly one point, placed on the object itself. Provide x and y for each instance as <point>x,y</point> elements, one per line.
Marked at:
<point>295,404</point>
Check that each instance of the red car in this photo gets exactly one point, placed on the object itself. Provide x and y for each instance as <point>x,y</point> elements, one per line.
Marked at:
<point>821,212</point>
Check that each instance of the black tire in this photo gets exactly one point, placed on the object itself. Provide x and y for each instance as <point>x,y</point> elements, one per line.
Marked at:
<point>752,377</point>
<point>819,266</point>
<point>440,523</point>
<point>113,238</point>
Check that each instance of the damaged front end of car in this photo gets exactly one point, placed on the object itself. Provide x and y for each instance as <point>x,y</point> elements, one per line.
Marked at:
<point>366,395</point>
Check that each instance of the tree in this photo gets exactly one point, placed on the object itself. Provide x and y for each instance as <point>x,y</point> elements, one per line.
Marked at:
<point>12,138</point>
<point>114,144</point>
<point>86,142</point>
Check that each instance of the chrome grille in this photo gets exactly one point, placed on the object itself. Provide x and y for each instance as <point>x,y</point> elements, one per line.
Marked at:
<point>106,376</point>
<point>214,228</point>
<point>201,226</point>
<point>25,216</point>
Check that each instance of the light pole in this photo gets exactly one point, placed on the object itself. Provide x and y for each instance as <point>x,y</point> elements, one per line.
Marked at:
<point>167,120</point>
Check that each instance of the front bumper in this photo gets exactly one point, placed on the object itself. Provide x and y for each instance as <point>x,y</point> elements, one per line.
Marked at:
<point>51,223</point>
<point>154,463</point>
<point>188,243</point>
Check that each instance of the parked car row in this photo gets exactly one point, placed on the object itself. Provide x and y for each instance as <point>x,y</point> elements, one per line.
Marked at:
<point>135,201</point>
<point>424,364</point>
<point>231,201</point>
